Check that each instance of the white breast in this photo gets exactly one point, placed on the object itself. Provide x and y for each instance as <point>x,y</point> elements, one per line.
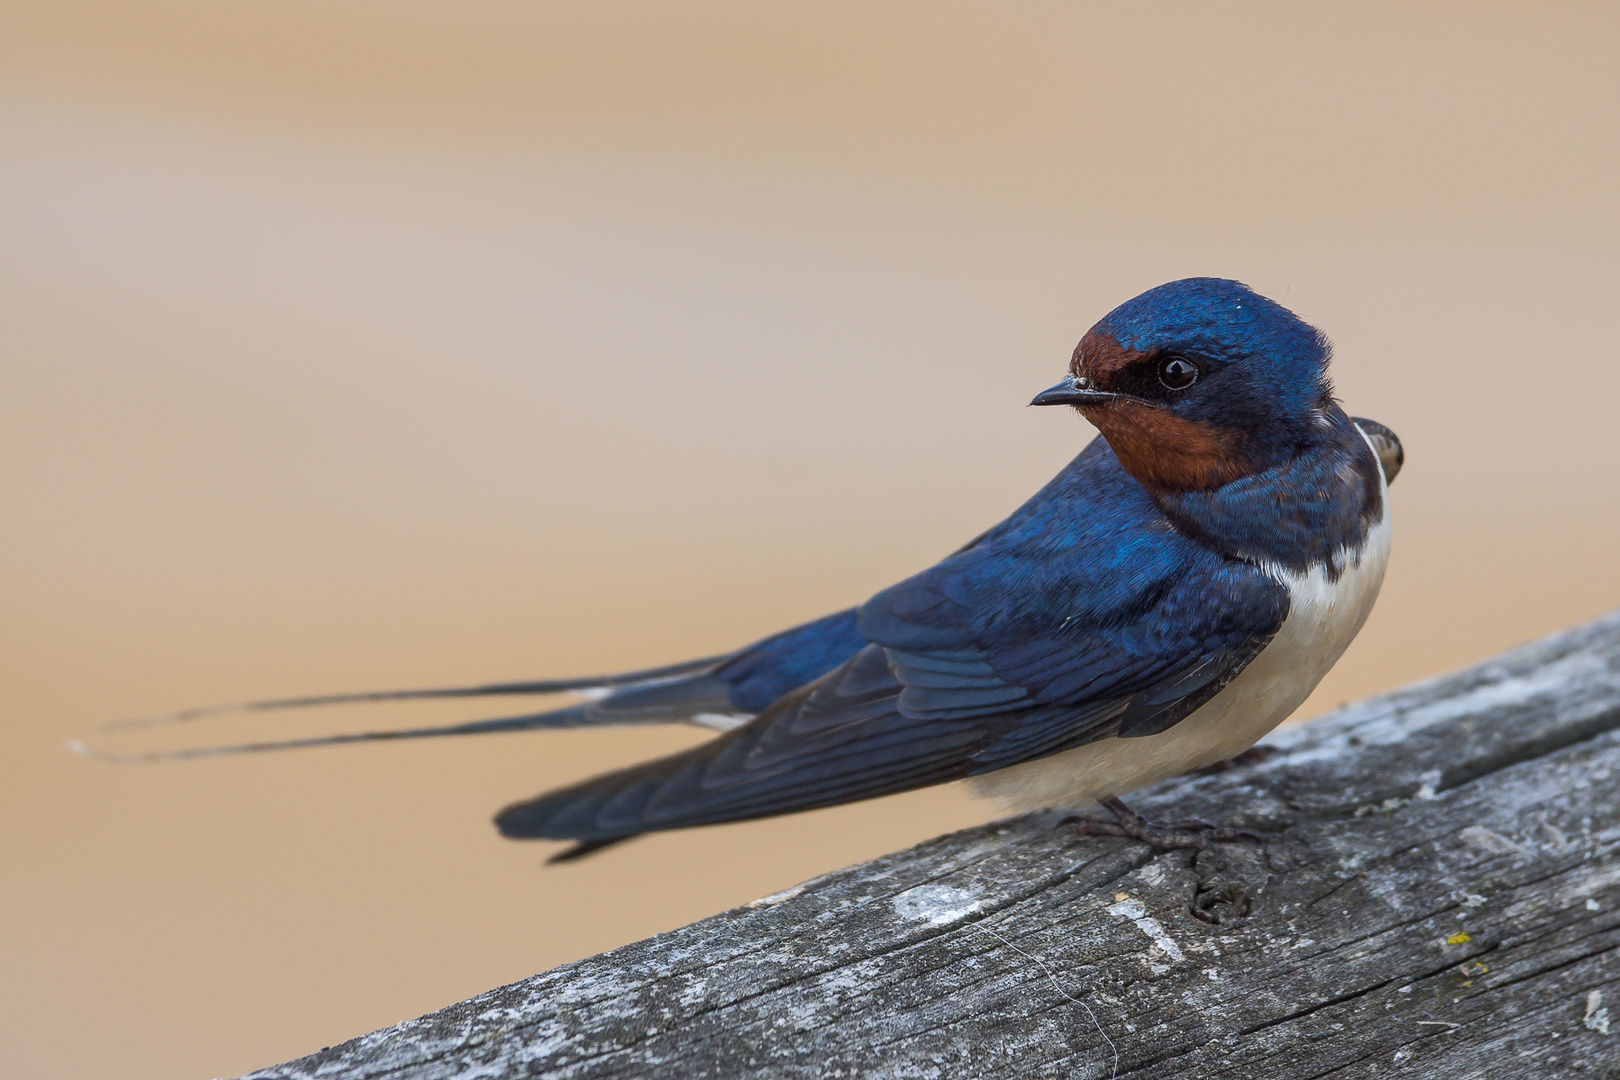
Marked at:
<point>1323,617</point>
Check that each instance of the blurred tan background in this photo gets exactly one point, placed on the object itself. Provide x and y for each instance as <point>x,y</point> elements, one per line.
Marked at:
<point>352,345</point>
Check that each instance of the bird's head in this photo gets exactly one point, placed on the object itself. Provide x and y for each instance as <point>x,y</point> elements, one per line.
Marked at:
<point>1198,383</point>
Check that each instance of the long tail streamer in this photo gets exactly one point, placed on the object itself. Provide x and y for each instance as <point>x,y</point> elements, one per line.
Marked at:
<point>568,716</point>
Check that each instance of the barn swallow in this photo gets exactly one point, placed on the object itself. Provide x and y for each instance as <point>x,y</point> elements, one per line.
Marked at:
<point>1165,601</point>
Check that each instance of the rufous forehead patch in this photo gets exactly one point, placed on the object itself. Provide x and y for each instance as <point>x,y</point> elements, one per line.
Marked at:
<point>1098,357</point>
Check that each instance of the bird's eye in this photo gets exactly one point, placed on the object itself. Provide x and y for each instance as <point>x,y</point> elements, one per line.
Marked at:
<point>1177,373</point>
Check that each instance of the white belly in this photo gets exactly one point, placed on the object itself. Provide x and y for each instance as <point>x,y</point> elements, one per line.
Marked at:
<point>1323,617</point>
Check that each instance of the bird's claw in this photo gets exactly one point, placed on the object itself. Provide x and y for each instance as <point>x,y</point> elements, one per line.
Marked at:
<point>1189,834</point>
<point>1215,833</point>
<point>1252,756</point>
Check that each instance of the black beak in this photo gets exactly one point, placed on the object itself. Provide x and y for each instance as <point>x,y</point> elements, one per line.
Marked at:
<point>1073,390</point>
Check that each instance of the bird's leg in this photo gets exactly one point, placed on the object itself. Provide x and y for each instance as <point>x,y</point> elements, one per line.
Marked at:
<point>1193,834</point>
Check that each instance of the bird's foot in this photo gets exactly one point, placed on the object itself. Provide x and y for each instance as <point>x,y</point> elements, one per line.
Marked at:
<point>1252,756</point>
<point>1165,836</point>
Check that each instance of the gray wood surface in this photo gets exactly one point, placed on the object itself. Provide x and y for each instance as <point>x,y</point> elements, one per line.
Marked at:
<point>1438,895</point>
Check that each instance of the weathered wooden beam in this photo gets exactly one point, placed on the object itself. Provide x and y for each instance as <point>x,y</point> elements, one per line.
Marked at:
<point>1438,895</point>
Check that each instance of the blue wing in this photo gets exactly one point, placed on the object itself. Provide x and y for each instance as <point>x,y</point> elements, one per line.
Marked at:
<point>1084,615</point>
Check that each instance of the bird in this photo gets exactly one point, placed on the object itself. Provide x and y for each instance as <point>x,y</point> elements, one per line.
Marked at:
<point>1165,601</point>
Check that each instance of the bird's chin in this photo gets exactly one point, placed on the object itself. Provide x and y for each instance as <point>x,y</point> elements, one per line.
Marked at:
<point>1104,404</point>
<point>1165,452</point>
